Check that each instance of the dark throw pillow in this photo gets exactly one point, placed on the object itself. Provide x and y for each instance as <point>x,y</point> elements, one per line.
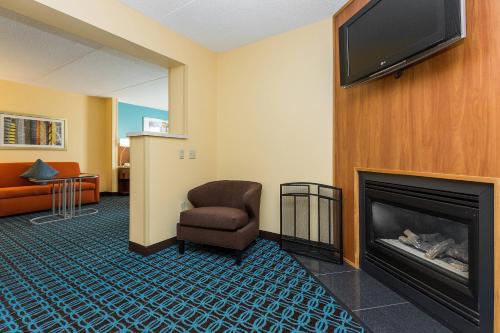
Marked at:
<point>40,170</point>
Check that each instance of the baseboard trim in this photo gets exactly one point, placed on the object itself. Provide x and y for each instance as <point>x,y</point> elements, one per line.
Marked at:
<point>111,194</point>
<point>272,236</point>
<point>148,250</point>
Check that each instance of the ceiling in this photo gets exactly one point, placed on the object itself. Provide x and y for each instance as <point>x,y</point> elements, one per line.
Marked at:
<point>35,54</point>
<point>221,25</point>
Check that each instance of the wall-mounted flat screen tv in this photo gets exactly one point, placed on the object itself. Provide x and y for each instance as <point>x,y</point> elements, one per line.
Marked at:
<point>386,36</point>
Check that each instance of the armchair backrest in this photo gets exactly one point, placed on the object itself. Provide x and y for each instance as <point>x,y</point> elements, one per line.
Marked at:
<point>240,194</point>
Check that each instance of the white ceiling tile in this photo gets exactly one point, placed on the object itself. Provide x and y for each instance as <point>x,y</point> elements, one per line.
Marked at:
<point>27,52</point>
<point>153,94</point>
<point>36,54</point>
<point>225,24</point>
<point>161,8</point>
<point>102,72</point>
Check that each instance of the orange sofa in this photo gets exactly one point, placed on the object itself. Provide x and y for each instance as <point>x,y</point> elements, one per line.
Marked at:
<point>18,195</point>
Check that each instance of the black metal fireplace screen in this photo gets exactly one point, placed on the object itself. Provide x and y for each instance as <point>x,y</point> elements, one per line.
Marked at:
<point>311,220</point>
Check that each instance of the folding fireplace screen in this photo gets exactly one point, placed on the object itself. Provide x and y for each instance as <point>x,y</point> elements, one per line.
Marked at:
<point>311,220</point>
<point>31,132</point>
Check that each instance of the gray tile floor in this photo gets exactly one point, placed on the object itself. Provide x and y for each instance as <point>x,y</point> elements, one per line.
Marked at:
<point>380,308</point>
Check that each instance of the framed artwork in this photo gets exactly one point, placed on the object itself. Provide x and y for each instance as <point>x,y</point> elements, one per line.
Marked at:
<point>155,125</point>
<point>31,132</point>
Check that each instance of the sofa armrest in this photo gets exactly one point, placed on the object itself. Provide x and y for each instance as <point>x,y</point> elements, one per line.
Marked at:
<point>97,193</point>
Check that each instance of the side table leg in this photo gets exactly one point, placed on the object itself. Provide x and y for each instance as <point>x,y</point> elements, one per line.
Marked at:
<point>64,197</point>
<point>70,199</point>
<point>53,199</point>
<point>59,190</point>
<point>73,194</point>
<point>80,198</point>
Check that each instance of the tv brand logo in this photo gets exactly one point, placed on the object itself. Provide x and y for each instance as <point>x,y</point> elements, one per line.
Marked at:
<point>382,63</point>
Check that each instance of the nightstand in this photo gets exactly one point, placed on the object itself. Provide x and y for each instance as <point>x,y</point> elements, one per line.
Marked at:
<point>123,180</point>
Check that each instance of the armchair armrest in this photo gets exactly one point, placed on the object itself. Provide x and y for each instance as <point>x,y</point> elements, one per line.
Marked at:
<point>251,198</point>
<point>201,195</point>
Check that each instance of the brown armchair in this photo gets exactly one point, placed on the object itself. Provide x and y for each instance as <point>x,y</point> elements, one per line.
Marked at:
<point>225,214</point>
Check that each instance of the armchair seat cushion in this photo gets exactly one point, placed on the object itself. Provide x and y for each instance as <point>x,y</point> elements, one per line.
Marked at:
<point>221,218</point>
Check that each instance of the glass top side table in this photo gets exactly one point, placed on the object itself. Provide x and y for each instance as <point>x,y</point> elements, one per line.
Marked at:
<point>65,205</point>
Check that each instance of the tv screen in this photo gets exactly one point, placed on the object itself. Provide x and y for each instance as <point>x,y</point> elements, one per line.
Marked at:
<point>387,35</point>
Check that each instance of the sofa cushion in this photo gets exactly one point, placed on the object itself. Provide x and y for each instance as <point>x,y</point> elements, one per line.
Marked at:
<point>85,186</point>
<point>221,218</point>
<point>31,190</point>
<point>24,191</point>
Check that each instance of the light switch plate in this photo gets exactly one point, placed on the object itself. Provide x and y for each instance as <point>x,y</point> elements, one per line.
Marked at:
<point>192,154</point>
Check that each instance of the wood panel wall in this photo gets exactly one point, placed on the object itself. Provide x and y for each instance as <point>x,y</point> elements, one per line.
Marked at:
<point>442,115</point>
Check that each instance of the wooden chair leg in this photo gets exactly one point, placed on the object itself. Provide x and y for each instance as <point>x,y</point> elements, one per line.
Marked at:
<point>181,246</point>
<point>239,257</point>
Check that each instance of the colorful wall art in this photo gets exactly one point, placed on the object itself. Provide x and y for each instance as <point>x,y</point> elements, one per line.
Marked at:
<point>31,132</point>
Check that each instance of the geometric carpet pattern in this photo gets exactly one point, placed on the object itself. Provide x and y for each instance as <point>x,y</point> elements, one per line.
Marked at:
<point>78,276</point>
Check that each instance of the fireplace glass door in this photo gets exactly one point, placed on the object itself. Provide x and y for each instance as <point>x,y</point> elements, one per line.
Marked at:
<point>438,242</point>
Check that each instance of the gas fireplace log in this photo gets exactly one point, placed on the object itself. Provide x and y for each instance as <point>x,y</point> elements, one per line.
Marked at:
<point>456,264</point>
<point>414,240</point>
<point>436,246</point>
<point>459,252</point>
<point>432,238</point>
<point>439,248</point>
<point>416,243</point>
<point>407,241</point>
<point>408,233</point>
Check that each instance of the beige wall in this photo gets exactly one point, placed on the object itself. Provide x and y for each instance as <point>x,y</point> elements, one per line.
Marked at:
<point>159,186</point>
<point>159,179</point>
<point>88,126</point>
<point>275,113</point>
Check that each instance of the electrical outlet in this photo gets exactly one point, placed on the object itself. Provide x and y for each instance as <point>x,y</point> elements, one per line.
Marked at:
<point>192,154</point>
<point>181,154</point>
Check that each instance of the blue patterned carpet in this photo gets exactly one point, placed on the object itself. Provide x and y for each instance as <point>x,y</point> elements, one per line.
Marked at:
<point>78,276</point>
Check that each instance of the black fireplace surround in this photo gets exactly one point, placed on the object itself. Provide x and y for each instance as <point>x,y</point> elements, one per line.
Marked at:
<point>431,240</point>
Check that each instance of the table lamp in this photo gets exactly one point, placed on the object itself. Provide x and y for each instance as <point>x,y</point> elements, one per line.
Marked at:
<point>124,143</point>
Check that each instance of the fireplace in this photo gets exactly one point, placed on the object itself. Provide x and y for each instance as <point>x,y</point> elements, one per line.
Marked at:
<point>431,240</point>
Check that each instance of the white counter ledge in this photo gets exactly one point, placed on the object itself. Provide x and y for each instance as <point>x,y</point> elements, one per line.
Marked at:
<point>155,134</point>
